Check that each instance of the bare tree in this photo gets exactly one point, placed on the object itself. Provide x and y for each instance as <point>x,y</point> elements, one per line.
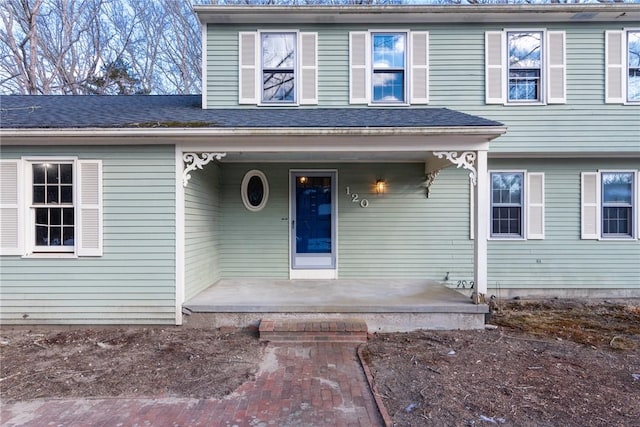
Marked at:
<point>99,46</point>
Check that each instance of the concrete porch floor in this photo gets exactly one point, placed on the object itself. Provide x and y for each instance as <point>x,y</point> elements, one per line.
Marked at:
<point>387,305</point>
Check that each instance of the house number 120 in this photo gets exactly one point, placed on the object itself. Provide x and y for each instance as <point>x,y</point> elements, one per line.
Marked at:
<point>364,203</point>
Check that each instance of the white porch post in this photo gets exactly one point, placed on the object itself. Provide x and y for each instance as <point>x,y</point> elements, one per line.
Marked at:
<point>481,222</point>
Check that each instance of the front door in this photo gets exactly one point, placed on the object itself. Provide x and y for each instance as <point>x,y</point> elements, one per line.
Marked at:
<point>313,224</point>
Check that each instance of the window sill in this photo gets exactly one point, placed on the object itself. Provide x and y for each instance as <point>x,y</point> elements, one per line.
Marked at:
<point>51,255</point>
<point>524,104</point>
<point>507,238</point>
<point>617,239</point>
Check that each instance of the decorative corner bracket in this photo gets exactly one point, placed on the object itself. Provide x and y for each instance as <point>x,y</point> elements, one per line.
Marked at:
<point>429,180</point>
<point>464,160</point>
<point>194,161</point>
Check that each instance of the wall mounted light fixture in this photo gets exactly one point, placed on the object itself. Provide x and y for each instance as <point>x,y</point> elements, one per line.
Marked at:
<point>380,186</point>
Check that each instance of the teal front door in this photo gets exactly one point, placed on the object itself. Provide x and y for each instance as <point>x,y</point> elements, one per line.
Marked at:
<point>313,220</point>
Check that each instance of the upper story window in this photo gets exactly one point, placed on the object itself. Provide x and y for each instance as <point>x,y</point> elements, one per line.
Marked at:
<point>622,58</point>
<point>633,55</point>
<point>278,67</point>
<point>525,67</point>
<point>388,67</point>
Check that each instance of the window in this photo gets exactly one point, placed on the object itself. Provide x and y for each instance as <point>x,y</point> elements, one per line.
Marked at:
<point>516,205</point>
<point>609,204</point>
<point>633,56</point>
<point>254,190</point>
<point>617,204</point>
<point>277,68</point>
<point>622,57</point>
<point>525,67</point>
<point>51,206</point>
<point>507,192</point>
<point>388,67</point>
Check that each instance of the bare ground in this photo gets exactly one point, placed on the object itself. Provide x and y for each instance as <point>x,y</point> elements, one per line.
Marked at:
<point>548,363</point>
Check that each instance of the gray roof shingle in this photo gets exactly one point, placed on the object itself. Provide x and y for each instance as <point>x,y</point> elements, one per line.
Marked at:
<point>59,111</point>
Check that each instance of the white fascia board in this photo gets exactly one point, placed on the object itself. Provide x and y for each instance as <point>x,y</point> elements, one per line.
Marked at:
<point>418,13</point>
<point>99,136</point>
<point>564,154</point>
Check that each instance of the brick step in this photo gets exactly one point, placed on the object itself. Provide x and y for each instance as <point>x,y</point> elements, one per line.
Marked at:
<point>319,330</point>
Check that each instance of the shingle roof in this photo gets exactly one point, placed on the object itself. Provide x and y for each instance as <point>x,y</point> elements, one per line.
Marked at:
<point>58,111</point>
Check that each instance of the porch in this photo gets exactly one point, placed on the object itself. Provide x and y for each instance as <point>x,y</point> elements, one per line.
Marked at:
<point>386,305</point>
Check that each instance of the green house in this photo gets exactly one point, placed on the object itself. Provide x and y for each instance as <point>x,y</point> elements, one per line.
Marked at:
<point>388,160</point>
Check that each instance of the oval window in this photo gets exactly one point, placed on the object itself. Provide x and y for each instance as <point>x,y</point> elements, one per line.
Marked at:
<point>255,190</point>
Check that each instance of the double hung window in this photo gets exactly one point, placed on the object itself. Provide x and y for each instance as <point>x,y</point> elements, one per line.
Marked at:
<point>52,203</point>
<point>609,204</point>
<point>507,196</point>
<point>622,57</point>
<point>388,51</point>
<point>617,204</point>
<point>633,60</point>
<point>388,67</point>
<point>525,67</point>
<point>516,205</point>
<point>278,67</point>
<point>51,207</point>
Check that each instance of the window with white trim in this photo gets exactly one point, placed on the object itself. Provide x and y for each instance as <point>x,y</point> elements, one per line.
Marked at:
<point>51,206</point>
<point>609,204</point>
<point>278,59</point>
<point>507,204</point>
<point>622,57</point>
<point>277,68</point>
<point>388,67</point>
<point>516,205</point>
<point>525,67</point>
<point>633,62</point>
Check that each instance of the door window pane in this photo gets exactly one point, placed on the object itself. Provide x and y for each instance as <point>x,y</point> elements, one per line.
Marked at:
<point>313,215</point>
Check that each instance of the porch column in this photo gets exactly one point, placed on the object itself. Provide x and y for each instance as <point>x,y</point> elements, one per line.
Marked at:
<point>481,222</point>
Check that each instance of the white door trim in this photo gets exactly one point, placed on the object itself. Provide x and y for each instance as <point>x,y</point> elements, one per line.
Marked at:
<point>307,273</point>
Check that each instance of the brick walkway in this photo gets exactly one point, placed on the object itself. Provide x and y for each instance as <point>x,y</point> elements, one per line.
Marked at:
<point>306,384</point>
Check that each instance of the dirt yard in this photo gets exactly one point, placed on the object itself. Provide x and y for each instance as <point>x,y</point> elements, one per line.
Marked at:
<point>552,363</point>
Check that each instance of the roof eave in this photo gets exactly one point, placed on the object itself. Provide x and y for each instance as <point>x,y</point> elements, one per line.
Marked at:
<point>268,137</point>
<point>418,13</point>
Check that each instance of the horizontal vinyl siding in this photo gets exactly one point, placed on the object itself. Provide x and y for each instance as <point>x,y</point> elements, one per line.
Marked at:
<point>584,123</point>
<point>401,234</point>
<point>254,244</point>
<point>134,281</point>
<point>562,260</point>
<point>202,216</point>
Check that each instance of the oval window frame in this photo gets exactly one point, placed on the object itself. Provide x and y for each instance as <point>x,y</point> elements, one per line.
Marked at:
<point>245,187</point>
